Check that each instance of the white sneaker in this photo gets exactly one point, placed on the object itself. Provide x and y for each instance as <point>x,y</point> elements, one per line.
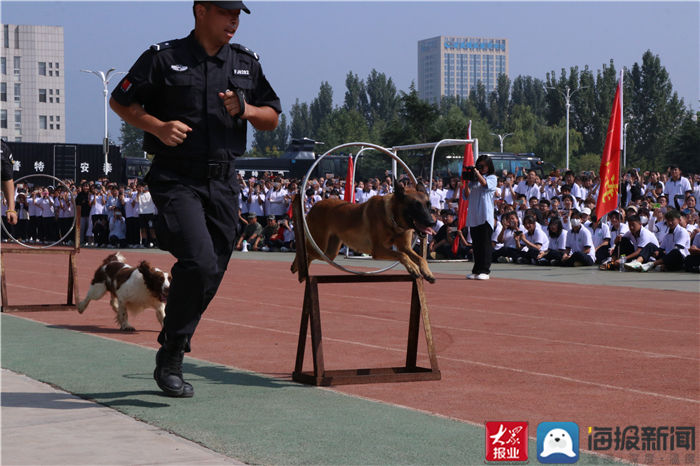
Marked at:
<point>634,265</point>
<point>265,248</point>
<point>284,249</point>
<point>647,267</point>
<point>471,276</point>
<point>482,276</point>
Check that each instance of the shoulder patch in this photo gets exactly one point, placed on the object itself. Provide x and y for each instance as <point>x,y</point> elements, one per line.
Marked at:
<point>162,45</point>
<point>244,49</point>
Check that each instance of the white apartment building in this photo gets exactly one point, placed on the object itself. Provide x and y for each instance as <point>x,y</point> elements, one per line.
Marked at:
<point>452,66</point>
<point>32,93</point>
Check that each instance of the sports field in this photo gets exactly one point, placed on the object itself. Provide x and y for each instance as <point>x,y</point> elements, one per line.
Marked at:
<point>602,349</point>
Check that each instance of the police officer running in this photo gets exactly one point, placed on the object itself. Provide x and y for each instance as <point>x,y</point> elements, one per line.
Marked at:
<point>193,98</point>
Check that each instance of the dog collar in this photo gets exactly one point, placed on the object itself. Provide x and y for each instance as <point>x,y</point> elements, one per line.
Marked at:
<point>396,224</point>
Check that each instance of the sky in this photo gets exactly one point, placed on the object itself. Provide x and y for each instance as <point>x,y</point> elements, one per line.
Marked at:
<point>302,44</point>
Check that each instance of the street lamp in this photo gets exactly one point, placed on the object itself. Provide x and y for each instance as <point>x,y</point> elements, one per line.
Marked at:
<point>105,78</point>
<point>501,138</point>
<point>567,97</point>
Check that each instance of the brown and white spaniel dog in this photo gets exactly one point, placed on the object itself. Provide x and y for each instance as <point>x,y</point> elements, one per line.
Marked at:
<point>133,289</point>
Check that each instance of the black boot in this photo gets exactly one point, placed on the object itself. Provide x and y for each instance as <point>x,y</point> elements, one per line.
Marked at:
<point>168,373</point>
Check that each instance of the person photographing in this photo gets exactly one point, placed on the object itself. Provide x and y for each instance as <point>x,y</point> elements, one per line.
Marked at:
<point>480,190</point>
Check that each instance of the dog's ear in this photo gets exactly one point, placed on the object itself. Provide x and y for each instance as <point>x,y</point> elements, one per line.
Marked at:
<point>421,188</point>
<point>145,268</point>
<point>398,188</point>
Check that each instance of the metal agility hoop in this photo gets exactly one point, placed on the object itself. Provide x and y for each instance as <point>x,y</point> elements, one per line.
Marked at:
<point>302,192</point>
<point>72,227</point>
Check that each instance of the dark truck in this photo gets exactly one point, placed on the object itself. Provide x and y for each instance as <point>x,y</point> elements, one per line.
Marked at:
<point>294,162</point>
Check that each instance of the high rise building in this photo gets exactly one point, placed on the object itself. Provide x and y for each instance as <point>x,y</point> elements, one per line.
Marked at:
<point>32,94</point>
<point>452,66</point>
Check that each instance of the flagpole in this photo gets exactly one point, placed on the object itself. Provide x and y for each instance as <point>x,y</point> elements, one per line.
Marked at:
<point>622,112</point>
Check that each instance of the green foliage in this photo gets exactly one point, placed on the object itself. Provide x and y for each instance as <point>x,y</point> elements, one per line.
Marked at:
<point>586,162</point>
<point>132,140</point>
<point>660,128</point>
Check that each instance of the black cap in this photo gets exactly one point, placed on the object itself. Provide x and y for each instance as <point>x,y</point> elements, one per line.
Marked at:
<point>232,6</point>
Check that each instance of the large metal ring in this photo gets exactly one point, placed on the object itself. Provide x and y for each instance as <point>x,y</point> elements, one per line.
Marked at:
<point>45,246</point>
<point>302,192</point>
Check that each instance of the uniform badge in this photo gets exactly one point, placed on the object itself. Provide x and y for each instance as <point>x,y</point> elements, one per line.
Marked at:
<point>178,67</point>
<point>126,85</point>
<point>241,72</point>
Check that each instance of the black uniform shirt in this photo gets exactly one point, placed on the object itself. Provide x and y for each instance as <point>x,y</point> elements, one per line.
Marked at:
<point>6,156</point>
<point>177,80</point>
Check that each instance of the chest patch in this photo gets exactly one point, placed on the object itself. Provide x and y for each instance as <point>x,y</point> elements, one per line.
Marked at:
<point>178,67</point>
<point>241,72</point>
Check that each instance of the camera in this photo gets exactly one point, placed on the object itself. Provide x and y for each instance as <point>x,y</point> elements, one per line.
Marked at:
<point>469,173</point>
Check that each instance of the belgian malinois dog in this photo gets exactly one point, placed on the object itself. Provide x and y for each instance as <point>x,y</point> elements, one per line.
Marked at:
<point>373,227</point>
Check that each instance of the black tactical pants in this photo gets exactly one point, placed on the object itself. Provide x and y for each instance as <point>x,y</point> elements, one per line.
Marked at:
<point>197,223</point>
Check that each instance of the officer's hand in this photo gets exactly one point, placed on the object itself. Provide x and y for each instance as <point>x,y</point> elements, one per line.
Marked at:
<point>173,133</point>
<point>233,106</point>
<point>12,217</point>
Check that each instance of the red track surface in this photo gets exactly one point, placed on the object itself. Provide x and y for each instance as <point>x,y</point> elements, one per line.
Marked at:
<point>508,349</point>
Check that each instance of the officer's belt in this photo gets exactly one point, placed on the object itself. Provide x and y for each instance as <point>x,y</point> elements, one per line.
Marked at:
<point>195,168</point>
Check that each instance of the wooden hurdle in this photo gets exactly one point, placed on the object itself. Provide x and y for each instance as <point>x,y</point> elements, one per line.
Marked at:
<point>311,316</point>
<point>72,288</point>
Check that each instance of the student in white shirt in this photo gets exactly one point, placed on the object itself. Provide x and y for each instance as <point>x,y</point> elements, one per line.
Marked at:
<point>692,261</point>
<point>676,187</point>
<point>600,232</point>
<point>617,228</point>
<point>117,229</point>
<point>674,247</point>
<point>556,238</point>
<point>131,213</point>
<point>276,200</point>
<point>511,227</point>
<point>638,244</point>
<point>529,187</point>
<point>533,243</point>
<point>579,244</point>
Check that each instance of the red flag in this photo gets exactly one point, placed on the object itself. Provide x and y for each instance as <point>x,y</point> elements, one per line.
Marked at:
<point>349,184</point>
<point>290,211</point>
<point>610,162</point>
<point>463,199</point>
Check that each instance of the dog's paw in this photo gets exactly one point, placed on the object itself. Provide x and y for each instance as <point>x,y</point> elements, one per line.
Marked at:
<point>430,278</point>
<point>127,328</point>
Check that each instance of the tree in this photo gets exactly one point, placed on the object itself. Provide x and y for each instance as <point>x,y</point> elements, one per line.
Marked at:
<point>356,94</point>
<point>271,143</point>
<point>383,99</point>
<point>301,126</point>
<point>415,122</point>
<point>321,107</point>
<point>654,113</point>
<point>342,126</point>
<point>684,146</point>
<point>132,141</point>
<point>500,104</point>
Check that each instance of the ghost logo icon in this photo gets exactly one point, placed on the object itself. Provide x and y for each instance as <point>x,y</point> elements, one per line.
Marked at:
<point>557,442</point>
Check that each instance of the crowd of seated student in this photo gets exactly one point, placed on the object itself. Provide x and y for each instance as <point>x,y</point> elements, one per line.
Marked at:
<point>548,221</point>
